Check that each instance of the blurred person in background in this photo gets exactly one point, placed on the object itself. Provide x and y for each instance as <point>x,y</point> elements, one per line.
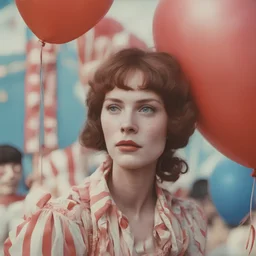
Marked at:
<point>10,202</point>
<point>200,193</point>
<point>237,239</point>
<point>217,229</point>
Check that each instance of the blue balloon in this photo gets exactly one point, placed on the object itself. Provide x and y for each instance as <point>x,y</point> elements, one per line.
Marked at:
<point>230,188</point>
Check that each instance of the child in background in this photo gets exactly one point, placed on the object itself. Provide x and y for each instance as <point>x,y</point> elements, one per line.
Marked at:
<point>10,202</point>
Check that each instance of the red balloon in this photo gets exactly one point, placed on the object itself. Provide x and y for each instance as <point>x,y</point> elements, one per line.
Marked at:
<point>61,21</point>
<point>215,42</point>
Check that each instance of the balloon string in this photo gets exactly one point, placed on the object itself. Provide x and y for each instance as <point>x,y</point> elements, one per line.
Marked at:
<point>252,193</point>
<point>41,113</point>
<point>252,232</point>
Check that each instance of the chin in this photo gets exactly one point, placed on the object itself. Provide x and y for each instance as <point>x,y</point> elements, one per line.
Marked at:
<point>130,162</point>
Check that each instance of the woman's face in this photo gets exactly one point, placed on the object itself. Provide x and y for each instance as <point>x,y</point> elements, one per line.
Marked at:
<point>134,124</point>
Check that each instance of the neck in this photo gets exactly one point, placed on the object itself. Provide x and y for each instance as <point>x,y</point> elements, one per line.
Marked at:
<point>133,190</point>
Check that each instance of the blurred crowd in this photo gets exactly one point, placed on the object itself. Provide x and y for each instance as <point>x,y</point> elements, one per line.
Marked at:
<point>222,239</point>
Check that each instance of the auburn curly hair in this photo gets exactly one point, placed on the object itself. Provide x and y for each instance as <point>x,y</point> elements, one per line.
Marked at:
<point>162,75</point>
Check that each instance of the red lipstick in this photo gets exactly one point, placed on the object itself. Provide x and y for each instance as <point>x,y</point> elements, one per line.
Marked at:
<point>127,146</point>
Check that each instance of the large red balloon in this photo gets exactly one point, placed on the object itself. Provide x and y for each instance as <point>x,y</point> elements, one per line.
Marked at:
<point>61,21</point>
<point>215,42</point>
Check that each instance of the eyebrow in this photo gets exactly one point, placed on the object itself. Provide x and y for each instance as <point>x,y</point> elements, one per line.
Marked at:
<point>138,101</point>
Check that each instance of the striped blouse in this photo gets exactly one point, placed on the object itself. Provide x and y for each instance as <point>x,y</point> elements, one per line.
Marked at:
<point>88,222</point>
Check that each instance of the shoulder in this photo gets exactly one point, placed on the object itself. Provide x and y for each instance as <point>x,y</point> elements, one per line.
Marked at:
<point>189,210</point>
<point>61,220</point>
<point>72,205</point>
<point>193,220</point>
<point>193,214</point>
<point>78,196</point>
<point>184,205</point>
<point>188,207</point>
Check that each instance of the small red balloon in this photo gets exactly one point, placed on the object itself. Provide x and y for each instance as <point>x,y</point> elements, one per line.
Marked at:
<point>215,42</point>
<point>61,21</point>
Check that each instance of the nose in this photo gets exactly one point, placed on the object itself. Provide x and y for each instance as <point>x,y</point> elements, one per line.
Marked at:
<point>129,125</point>
<point>128,129</point>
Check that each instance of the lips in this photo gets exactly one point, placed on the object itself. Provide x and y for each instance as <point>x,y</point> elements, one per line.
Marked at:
<point>128,143</point>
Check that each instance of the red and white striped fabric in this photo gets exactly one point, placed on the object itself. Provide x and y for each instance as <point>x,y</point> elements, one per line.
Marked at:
<point>32,97</point>
<point>88,222</point>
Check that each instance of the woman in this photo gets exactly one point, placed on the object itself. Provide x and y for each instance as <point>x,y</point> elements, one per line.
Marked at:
<point>140,112</point>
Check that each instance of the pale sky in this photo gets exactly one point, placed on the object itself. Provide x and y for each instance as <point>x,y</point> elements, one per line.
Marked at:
<point>136,16</point>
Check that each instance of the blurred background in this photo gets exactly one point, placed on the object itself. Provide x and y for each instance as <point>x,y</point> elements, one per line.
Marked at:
<point>213,180</point>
